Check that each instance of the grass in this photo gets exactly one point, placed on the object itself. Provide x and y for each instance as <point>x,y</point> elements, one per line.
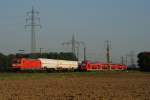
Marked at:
<point>19,76</point>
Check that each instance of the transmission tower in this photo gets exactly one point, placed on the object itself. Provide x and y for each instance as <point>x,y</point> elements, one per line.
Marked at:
<point>33,21</point>
<point>108,51</point>
<point>108,44</point>
<point>75,45</point>
<point>132,58</point>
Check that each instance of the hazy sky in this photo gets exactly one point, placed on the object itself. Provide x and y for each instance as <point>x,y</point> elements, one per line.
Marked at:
<point>125,22</point>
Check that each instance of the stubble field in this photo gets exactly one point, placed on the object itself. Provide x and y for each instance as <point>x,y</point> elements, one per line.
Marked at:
<point>75,86</point>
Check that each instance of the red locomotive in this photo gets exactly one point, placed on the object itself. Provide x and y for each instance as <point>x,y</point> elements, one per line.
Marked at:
<point>26,64</point>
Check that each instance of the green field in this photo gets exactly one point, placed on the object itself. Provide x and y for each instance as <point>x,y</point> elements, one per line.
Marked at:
<point>19,76</point>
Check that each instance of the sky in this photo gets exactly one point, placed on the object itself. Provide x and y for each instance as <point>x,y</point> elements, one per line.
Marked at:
<point>126,23</point>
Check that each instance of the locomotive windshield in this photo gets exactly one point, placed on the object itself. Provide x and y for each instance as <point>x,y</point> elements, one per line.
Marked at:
<point>16,61</point>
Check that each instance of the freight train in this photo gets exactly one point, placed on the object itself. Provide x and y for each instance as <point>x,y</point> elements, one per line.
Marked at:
<point>65,65</point>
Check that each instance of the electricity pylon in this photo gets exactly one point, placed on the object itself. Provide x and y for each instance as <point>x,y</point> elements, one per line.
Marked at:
<point>108,45</point>
<point>33,21</point>
<point>76,44</point>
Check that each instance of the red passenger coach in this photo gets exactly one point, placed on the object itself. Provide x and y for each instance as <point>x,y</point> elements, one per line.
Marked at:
<point>26,64</point>
<point>90,66</point>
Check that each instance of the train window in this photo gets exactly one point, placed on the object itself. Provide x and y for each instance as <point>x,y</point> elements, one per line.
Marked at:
<point>15,61</point>
<point>83,65</point>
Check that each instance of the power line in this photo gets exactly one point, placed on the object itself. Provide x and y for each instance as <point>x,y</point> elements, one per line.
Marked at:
<point>33,21</point>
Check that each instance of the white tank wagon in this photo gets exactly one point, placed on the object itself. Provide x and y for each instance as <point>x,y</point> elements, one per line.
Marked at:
<point>58,64</point>
<point>67,64</point>
<point>48,63</point>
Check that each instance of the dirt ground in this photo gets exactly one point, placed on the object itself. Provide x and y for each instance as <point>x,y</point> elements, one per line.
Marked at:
<point>59,86</point>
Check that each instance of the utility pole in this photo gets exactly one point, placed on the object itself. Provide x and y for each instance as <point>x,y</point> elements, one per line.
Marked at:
<point>73,44</point>
<point>41,52</point>
<point>126,60</point>
<point>108,53</point>
<point>33,21</point>
<point>84,53</point>
<point>122,60</point>
<point>84,47</point>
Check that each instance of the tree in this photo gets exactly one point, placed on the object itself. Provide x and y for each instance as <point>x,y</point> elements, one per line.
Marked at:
<point>51,55</point>
<point>144,61</point>
<point>9,60</point>
<point>2,61</point>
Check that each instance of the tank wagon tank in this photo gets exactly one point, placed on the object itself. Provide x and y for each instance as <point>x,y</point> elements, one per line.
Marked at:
<point>58,64</point>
